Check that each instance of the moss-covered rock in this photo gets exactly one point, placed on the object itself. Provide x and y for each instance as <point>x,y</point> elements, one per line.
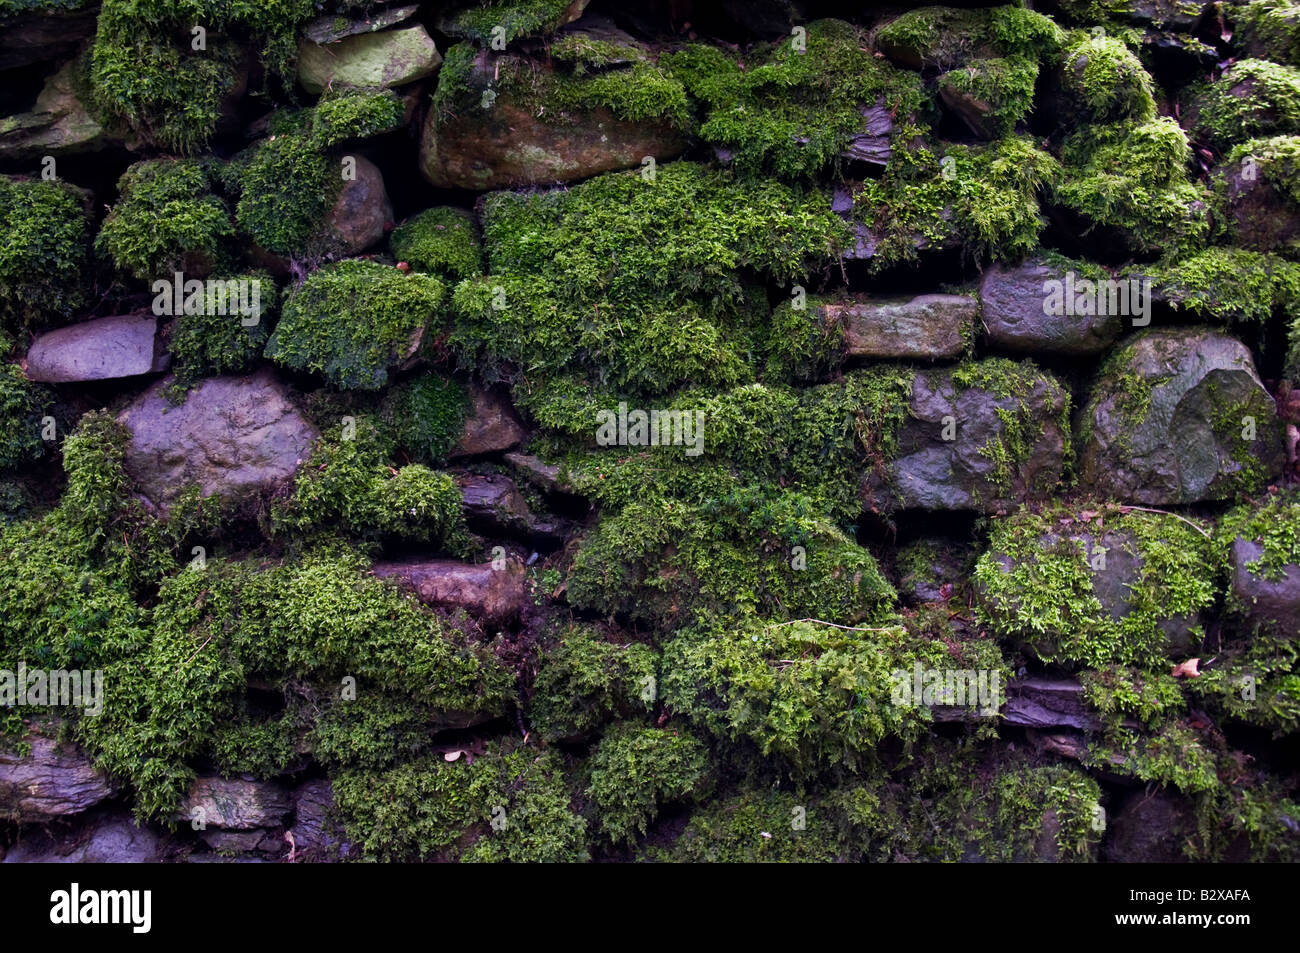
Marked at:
<point>355,321</point>
<point>1259,184</point>
<point>441,241</point>
<point>586,680</point>
<point>23,408</point>
<point>1270,29</point>
<point>1252,99</point>
<point>209,343</point>
<point>368,60</point>
<point>636,769</point>
<point>43,255</point>
<point>944,37</point>
<point>1103,81</point>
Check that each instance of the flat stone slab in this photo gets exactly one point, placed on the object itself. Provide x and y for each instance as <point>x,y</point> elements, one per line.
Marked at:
<point>105,348</point>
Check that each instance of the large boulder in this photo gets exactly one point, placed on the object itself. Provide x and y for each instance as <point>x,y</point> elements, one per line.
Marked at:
<point>236,437</point>
<point>934,326</point>
<point>495,595</point>
<point>1178,416</point>
<point>983,436</point>
<point>122,346</point>
<point>52,780</point>
<point>1019,313</point>
<point>494,135</point>
<point>369,60</point>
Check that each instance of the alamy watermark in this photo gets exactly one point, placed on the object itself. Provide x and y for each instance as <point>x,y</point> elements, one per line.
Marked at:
<point>1127,297</point>
<point>654,428</point>
<point>933,687</point>
<point>62,688</point>
<point>242,296</point>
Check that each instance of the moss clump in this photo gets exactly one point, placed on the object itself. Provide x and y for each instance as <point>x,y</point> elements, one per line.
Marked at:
<point>1131,180</point>
<point>508,19</point>
<point>374,730</point>
<point>166,220</point>
<point>1274,525</point>
<point>441,241</point>
<point>635,769</point>
<point>1253,98</point>
<point>803,345</point>
<point>1037,584</point>
<point>355,114</point>
<point>146,75</point>
<point>352,321</point>
<point>806,693</point>
<point>984,199</point>
<point>1230,285</point>
<point>347,485</point>
<point>1006,86</point>
<point>506,805</point>
<point>1118,691</point>
<point>946,37</point>
<point>426,416</point>
<point>1270,29</point>
<point>23,405</point>
<point>287,186</point>
<point>206,344</point>
<point>43,254</point>
<point>585,681</point>
<point>1105,82</point>
<point>788,112</point>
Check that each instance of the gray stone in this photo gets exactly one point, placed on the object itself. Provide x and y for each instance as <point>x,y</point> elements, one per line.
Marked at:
<point>315,835</point>
<point>104,838</point>
<point>54,780</point>
<point>1014,304</point>
<point>1168,422</point>
<point>370,60</point>
<point>331,29</point>
<point>491,425</point>
<point>236,437</point>
<point>59,125</point>
<point>1263,216</point>
<point>928,327</point>
<point>362,210</point>
<point>493,504</point>
<point>974,471</point>
<point>1273,603</point>
<point>105,348</point>
<point>234,804</point>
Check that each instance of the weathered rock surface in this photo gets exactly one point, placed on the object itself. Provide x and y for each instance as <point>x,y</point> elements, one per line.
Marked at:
<point>325,30</point>
<point>1015,304</point>
<point>1149,828</point>
<point>58,125</point>
<point>104,838</point>
<point>237,437</point>
<point>494,505</point>
<point>233,804</point>
<point>928,326</point>
<point>54,780</point>
<point>122,346</point>
<point>1178,416</point>
<point>371,60</point>
<point>1262,216</point>
<point>491,425</point>
<point>1274,603</point>
<point>362,209</point>
<point>495,141</point>
<point>931,569</point>
<point>975,470</point>
<point>315,835</point>
<point>44,34</point>
<point>494,595</point>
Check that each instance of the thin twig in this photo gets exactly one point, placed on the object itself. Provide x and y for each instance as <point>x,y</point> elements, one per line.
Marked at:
<point>846,628</point>
<point>1147,509</point>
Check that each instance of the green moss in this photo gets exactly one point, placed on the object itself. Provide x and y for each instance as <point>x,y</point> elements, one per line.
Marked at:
<point>43,254</point>
<point>355,114</point>
<point>353,321</point>
<point>946,37</point>
<point>262,747</point>
<point>23,405</point>
<point>203,345</point>
<point>287,187</point>
<point>1106,82</point>
<point>348,485</point>
<point>1270,28</point>
<point>1005,85</point>
<point>1253,98</point>
<point>374,730</point>
<point>636,769</point>
<point>757,826</point>
<point>803,345</point>
<point>1036,584</point>
<point>1230,284</point>
<point>1274,525</point>
<point>791,113</point>
<point>1117,691</point>
<point>442,241</point>
<point>1131,179</point>
<point>166,220</point>
<point>516,19</point>
<point>426,416</point>
<point>584,681</point>
<point>506,805</point>
<point>587,49</point>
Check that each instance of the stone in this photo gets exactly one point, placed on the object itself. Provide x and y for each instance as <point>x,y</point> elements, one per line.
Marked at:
<point>975,113</point>
<point>930,570</point>
<point>325,30</point>
<point>1271,603</point>
<point>1048,703</point>
<point>1263,216</point>
<point>491,425</point>
<point>370,60</point>
<point>234,804</point>
<point>104,838</point>
<point>315,835</point>
<point>54,780</point>
<point>362,210</point>
<point>927,327</point>
<point>59,125</point>
<point>102,349</point>
<point>1014,306</point>
<point>44,34</point>
<point>974,470</point>
<point>497,141</point>
<point>1150,827</point>
<point>496,596</point>
<point>236,437</point>
<point>1179,416</point>
<point>493,504</point>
